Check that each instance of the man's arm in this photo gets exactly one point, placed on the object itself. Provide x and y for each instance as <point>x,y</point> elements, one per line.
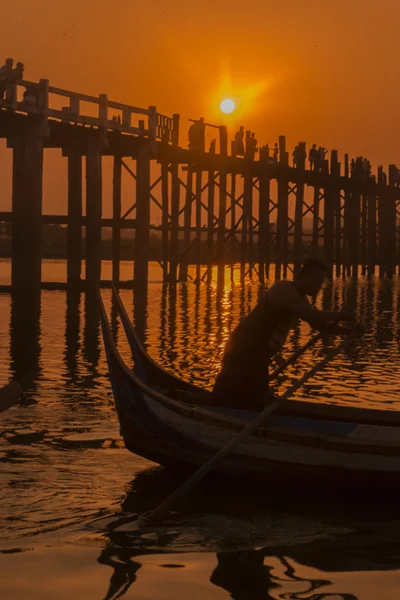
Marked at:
<point>284,294</point>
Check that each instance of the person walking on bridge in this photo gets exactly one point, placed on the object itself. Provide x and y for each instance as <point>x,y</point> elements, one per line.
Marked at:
<point>6,75</point>
<point>242,382</point>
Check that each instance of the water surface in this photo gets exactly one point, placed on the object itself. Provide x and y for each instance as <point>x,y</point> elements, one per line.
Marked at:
<point>70,492</point>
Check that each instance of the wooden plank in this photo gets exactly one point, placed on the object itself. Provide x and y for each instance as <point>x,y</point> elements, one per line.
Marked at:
<point>116,231</point>
<point>165,218</point>
<point>27,182</point>
<point>74,230</point>
<point>93,212</point>
<point>142,216</point>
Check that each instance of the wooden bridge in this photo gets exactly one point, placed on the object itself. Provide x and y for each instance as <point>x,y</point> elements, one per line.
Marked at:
<point>215,207</point>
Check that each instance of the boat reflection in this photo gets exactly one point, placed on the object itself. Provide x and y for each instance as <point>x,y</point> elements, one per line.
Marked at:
<point>292,565</point>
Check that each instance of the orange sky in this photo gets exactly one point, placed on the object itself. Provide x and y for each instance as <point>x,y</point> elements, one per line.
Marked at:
<point>314,71</point>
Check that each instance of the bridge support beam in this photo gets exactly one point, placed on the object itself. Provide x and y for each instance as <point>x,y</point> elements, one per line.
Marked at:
<point>142,238</point>
<point>27,210</point>
<point>116,232</point>
<point>74,230</point>
<point>93,213</point>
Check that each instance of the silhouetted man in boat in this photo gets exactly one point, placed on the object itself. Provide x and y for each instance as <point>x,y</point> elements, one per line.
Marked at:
<point>243,379</point>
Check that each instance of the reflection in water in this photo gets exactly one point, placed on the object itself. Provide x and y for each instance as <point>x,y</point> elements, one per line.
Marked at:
<point>25,339</point>
<point>91,335</point>
<point>140,311</point>
<point>299,562</point>
<point>244,575</point>
<point>125,569</point>
<point>72,327</point>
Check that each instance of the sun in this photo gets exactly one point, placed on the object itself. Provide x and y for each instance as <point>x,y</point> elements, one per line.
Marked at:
<point>227,106</point>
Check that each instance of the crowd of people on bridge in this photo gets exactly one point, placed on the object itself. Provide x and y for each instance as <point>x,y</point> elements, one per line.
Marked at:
<point>10,74</point>
<point>244,144</point>
<point>317,157</point>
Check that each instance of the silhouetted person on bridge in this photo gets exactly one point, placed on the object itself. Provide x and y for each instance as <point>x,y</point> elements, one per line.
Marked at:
<point>251,145</point>
<point>275,153</point>
<point>196,135</point>
<point>6,75</point>
<point>238,142</point>
<point>18,72</point>
<point>313,157</point>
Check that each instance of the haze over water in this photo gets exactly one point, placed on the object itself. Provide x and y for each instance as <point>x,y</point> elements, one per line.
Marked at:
<point>69,489</point>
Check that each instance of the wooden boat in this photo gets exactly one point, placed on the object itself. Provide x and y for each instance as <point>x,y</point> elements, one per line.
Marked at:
<point>169,421</point>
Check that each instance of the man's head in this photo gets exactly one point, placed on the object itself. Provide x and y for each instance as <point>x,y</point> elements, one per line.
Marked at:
<point>9,63</point>
<point>311,276</point>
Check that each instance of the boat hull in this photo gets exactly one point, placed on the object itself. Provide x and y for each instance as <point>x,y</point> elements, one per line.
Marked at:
<point>290,446</point>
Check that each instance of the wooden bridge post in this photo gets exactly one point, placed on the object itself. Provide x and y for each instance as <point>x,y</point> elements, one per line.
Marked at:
<point>164,218</point>
<point>246,221</point>
<point>363,245</point>
<point>187,224</point>
<point>330,192</point>
<point>371,233</point>
<point>198,224</point>
<point>93,212</point>
<point>347,219</point>
<point>210,224</point>
<point>263,217</point>
<point>233,216</point>
<point>391,216</point>
<point>337,206</point>
<point>281,246</point>
<point>299,207</point>
<point>116,229</point>
<point>175,201</point>
<point>315,234</point>
<point>74,228</point>
<point>142,238</point>
<point>354,225</point>
<point>27,209</point>
<point>223,148</point>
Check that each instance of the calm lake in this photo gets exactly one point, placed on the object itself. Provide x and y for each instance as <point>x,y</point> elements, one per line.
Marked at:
<point>70,492</point>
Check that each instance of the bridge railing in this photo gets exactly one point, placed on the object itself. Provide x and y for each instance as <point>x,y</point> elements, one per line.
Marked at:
<point>95,111</point>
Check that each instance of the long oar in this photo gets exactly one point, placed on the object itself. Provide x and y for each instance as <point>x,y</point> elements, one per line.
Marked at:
<point>295,356</point>
<point>165,507</point>
<point>339,330</point>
